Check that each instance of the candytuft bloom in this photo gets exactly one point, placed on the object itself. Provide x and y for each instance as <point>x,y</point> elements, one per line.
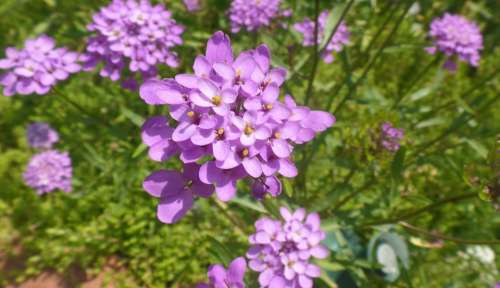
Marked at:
<point>36,67</point>
<point>254,14</point>
<point>41,135</point>
<point>135,35</point>
<point>48,171</point>
<point>281,250</point>
<point>456,37</point>
<point>192,5</point>
<point>339,39</point>
<point>221,278</point>
<point>390,137</point>
<point>228,115</point>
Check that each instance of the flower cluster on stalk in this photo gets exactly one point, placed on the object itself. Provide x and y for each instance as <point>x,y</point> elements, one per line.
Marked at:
<point>456,37</point>
<point>228,117</point>
<point>37,67</point>
<point>281,251</point>
<point>338,41</point>
<point>252,15</point>
<point>48,171</point>
<point>41,135</point>
<point>391,137</point>
<point>135,35</point>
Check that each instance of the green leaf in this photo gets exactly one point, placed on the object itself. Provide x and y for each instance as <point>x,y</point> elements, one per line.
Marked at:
<point>132,116</point>
<point>249,203</point>
<point>331,23</point>
<point>389,250</point>
<point>138,151</point>
<point>431,122</point>
<point>478,147</point>
<point>397,164</point>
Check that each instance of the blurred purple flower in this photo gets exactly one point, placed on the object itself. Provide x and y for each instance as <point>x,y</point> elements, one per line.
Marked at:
<point>281,250</point>
<point>221,278</point>
<point>228,115</point>
<point>48,171</point>
<point>455,36</point>
<point>339,39</point>
<point>37,67</point>
<point>391,137</point>
<point>135,35</point>
<point>254,14</point>
<point>41,135</point>
<point>192,5</point>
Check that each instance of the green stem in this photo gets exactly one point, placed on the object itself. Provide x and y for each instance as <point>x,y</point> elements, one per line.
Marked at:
<point>312,76</point>
<point>437,235</point>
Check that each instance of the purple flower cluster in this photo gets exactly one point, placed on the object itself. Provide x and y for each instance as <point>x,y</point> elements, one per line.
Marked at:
<point>391,136</point>
<point>192,5</point>
<point>281,250</point>
<point>456,36</point>
<point>339,39</point>
<point>227,114</point>
<point>48,171</point>
<point>134,34</point>
<point>37,67</point>
<point>254,14</point>
<point>41,135</point>
<point>220,278</point>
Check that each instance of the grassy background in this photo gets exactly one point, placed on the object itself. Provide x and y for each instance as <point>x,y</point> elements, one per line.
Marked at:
<point>451,122</point>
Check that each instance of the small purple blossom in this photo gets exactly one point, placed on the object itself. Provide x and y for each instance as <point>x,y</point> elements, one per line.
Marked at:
<point>391,137</point>
<point>456,37</point>
<point>227,117</point>
<point>36,67</point>
<point>48,171</point>
<point>135,35</point>
<point>281,250</point>
<point>339,39</point>
<point>221,278</point>
<point>192,5</point>
<point>254,14</point>
<point>41,135</point>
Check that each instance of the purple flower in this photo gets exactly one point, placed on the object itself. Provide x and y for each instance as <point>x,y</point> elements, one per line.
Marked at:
<point>456,37</point>
<point>37,67</point>
<point>339,39</point>
<point>176,191</point>
<point>192,5</point>
<point>390,137</point>
<point>227,117</point>
<point>135,35</point>
<point>281,250</point>
<point>48,171</point>
<point>252,15</point>
<point>41,135</point>
<point>221,278</point>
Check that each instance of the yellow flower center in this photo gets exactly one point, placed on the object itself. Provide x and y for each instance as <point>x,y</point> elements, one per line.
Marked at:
<point>245,152</point>
<point>216,100</point>
<point>220,131</point>
<point>190,114</point>
<point>277,135</point>
<point>248,129</point>
<point>268,106</point>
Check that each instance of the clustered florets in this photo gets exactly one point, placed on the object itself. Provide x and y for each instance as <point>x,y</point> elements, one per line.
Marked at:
<point>37,67</point>
<point>455,36</point>
<point>281,250</point>
<point>339,39</point>
<point>391,137</point>
<point>228,114</point>
<point>135,35</point>
<point>41,135</point>
<point>254,14</point>
<point>48,171</point>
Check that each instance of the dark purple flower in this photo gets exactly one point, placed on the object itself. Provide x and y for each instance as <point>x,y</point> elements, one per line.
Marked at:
<point>176,191</point>
<point>227,116</point>
<point>48,171</point>
<point>41,135</point>
<point>37,67</point>
<point>135,35</point>
<point>254,14</point>
<point>231,278</point>
<point>339,39</point>
<point>281,250</point>
<point>391,137</point>
<point>456,37</point>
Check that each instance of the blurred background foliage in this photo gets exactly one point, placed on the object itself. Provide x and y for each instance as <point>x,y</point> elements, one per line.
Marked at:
<point>431,192</point>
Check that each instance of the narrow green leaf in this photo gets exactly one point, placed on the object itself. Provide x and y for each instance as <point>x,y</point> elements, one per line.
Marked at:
<point>132,116</point>
<point>138,151</point>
